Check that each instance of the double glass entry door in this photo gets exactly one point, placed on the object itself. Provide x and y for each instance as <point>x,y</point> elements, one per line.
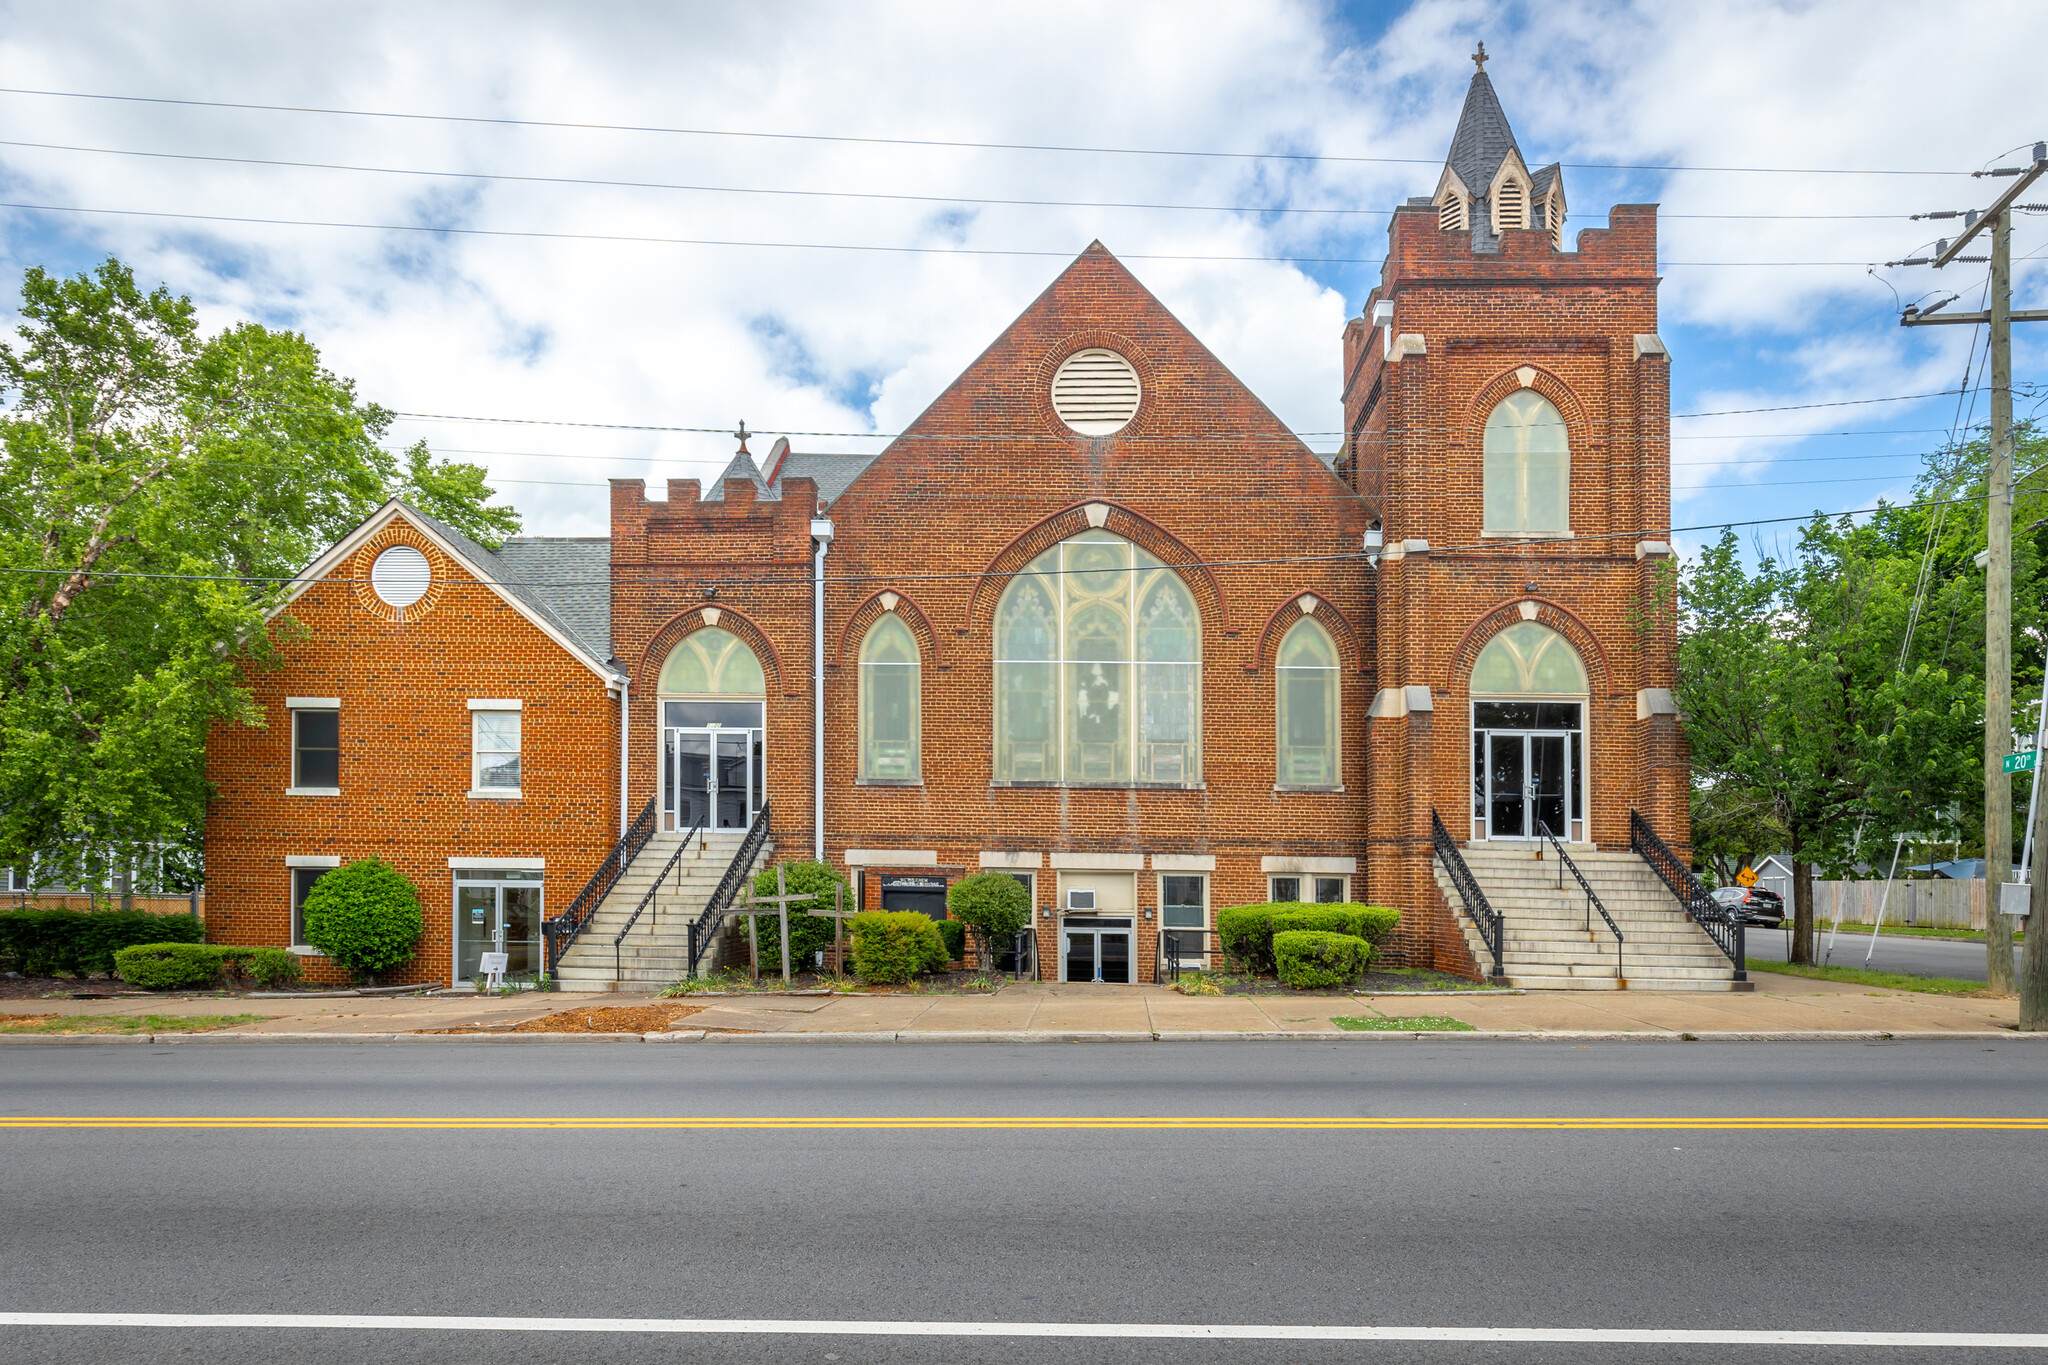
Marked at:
<point>713,777</point>
<point>1527,779</point>
<point>497,911</point>
<point>1096,950</point>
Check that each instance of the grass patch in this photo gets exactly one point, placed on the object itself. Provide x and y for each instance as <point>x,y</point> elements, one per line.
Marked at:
<point>1890,981</point>
<point>1415,1023</point>
<point>123,1023</point>
<point>1916,931</point>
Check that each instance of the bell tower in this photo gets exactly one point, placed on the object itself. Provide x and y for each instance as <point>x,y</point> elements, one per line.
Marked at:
<point>1507,410</point>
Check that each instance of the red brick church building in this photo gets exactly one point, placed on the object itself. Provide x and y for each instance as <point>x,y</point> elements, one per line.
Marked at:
<point>1096,618</point>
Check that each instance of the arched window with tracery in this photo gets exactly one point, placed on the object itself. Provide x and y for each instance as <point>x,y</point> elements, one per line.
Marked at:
<point>1528,467</point>
<point>1305,707</point>
<point>1098,669</point>
<point>891,686</point>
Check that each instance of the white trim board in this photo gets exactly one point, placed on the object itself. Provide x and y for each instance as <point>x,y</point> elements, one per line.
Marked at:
<point>514,864</point>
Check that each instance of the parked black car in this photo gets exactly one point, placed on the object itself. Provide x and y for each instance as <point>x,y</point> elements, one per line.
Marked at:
<point>1756,905</point>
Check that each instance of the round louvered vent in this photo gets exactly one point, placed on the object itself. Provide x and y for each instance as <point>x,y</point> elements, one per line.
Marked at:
<point>1095,392</point>
<point>399,577</point>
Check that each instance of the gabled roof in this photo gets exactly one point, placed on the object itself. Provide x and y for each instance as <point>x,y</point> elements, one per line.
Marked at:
<point>533,583</point>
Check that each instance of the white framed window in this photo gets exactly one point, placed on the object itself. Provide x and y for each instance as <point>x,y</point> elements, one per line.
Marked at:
<point>890,696</point>
<point>1184,909</point>
<point>494,736</point>
<point>1098,669</point>
<point>1528,463</point>
<point>1310,890</point>
<point>304,871</point>
<point>316,746</point>
<point>1305,677</point>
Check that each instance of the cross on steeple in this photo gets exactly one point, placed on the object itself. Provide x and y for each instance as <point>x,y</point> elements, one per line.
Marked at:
<point>743,433</point>
<point>1479,57</point>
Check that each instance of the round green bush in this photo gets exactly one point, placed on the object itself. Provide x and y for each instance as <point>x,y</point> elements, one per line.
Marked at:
<point>366,917</point>
<point>1247,933</point>
<point>892,946</point>
<point>993,904</point>
<point>1370,922</point>
<point>1308,959</point>
<point>807,933</point>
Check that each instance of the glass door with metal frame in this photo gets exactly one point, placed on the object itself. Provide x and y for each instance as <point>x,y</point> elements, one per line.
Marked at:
<point>497,910</point>
<point>1095,950</point>
<point>713,764</point>
<point>1526,770</point>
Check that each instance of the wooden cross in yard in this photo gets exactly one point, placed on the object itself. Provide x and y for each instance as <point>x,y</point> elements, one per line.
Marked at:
<point>782,900</point>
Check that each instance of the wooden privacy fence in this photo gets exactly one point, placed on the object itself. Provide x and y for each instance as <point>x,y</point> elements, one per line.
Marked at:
<point>1937,903</point>
<point>106,900</point>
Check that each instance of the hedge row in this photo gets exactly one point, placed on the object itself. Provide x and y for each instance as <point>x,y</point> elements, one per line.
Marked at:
<point>83,942</point>
<point>196,966</point>
<point>1247,931</point>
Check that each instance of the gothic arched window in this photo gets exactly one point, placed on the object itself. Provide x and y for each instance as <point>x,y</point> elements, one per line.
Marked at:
<point>1305,707</point>
<point>1528,467</point>
<point>711,662</point>
<point>1098,669</point>
<point>891,677</point>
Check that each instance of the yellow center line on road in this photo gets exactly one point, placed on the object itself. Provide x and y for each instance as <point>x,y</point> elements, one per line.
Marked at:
<point>1487,1123</point>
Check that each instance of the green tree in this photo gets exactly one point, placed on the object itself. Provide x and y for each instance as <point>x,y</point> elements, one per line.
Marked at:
<point>995,906</point>
<point>156,487</point>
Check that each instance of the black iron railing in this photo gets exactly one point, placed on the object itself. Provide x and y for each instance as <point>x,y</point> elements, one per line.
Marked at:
<point>1722,924</point>
<point>561,931</point>
<point>1564,864</point>
<point>705,927</point>
<point>1177,944</point>
<point>672,866</point>
<point>1491,928</point>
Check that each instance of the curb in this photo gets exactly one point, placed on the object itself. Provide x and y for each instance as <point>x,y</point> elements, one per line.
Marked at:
<point>1035,1036</point>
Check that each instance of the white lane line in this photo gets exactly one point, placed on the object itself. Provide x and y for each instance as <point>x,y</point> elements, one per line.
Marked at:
<point>1169,1331</point>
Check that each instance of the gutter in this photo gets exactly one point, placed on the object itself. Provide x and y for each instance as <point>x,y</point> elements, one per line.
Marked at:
<point>821,543</point>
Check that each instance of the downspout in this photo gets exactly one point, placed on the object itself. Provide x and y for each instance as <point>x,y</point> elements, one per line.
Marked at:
<point>625,749</point>
<point>821,542</point>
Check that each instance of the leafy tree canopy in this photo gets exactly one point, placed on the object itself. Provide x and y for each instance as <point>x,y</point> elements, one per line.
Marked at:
<point>156,486</point>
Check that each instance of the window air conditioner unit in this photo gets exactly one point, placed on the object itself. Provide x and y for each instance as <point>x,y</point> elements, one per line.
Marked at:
<point>1080,900</point>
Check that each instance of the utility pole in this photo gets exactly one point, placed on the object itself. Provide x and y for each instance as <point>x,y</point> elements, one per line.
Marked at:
<point>1997,569</point>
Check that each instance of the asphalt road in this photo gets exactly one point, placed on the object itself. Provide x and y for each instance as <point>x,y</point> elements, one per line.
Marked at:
<point>1834,1229</point>
<point>1963,959</point>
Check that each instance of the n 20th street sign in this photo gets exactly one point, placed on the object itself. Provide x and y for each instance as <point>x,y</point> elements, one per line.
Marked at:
<point>2022,762</point>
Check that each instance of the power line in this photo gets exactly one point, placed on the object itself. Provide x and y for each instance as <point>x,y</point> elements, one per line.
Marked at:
<point>634,239</point>
<point>499,121</point>
<point>858,194</point>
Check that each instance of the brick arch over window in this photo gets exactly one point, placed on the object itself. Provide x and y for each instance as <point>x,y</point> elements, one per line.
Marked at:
<point>1119,521</point>
<point>1124,346</point>
<point>1599,673</point>
<point>872,610</point>
<point>686,623</point>
<point>440,569</point>
<point>1578,427</point>
<point>1327,616</point>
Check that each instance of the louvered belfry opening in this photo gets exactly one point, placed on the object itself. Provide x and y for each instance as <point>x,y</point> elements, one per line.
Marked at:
<point>1095,392</point>
<point>1450,215</point>
<point>1510,205</point>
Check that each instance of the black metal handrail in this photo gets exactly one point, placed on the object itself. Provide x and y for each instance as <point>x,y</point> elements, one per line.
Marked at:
<point>1170,944</point>
<point>1723,926</point>
<point>561,931</point>
<point>1491,927</point>
<point>675,859</point>
<point>1564,861</point>
<point>728,889</point>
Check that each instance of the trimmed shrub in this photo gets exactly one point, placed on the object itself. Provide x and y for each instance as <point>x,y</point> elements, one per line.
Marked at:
<point>1247,930</point>
<point>197,966</point>
<point>953,934</point>
<point>1370,922</point>
<point>807,933</point>
<point>892,946</point>
<point>365,916</point>
<point>1247,933</point>
<point>83,942</point>
<point>1309,959</point>
<point>995,905</point>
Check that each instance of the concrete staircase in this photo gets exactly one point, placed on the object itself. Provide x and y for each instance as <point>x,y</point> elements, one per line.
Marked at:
<point>1547,945</point>
<point>657,952</point>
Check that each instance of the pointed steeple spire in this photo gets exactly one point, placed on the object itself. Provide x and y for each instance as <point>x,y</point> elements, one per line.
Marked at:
<point>1485,165</point>
<point>1483,139</point>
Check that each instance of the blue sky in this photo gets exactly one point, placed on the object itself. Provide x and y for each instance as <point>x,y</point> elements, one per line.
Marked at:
<point>1770,300</point>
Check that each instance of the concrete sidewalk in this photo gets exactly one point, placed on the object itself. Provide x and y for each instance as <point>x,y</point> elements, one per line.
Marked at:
<point>1781,1006</point>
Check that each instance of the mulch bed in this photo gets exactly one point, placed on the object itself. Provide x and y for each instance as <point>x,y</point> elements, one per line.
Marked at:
<point>595,1019</point>
<point>1372,983</point>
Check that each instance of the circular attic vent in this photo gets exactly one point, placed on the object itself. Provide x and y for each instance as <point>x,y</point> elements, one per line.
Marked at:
<point>1095,392</point>
<point>399,577</point>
